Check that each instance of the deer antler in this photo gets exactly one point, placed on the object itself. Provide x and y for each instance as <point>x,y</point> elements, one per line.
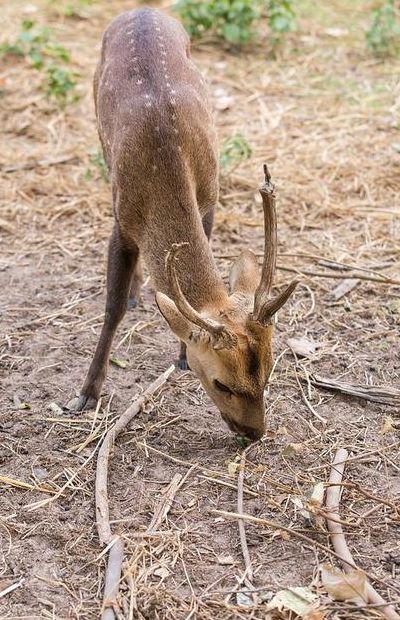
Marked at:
<point>221,337</point>
<point>264,307</point>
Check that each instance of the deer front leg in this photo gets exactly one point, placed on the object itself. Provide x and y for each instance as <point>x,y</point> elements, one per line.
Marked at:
<point>121,265</point>
<point>208,221</point>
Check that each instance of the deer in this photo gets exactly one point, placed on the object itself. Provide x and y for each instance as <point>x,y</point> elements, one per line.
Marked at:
<point>156,127</point>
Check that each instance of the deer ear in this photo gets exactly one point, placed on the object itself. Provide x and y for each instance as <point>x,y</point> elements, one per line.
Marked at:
<point>244,275</point>
<point>177,322</point>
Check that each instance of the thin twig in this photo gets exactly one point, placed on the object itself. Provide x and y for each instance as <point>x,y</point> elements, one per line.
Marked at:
<point>12,587</point>
<point>304,397</point>
<point>240,509</point>
<point>337,535</point>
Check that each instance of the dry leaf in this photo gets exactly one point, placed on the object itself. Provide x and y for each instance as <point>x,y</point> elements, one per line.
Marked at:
<point>56,408</point>
<point>305,347</point>
<point>233,468</point>
<point>298,599</point>
<point>344,287</point>
<point>336,32</point>
<point>223,101</point>
<point>341,586</point>
<point>315,495</point>
<point>225,560</point>
<point>292,449</point>
<point>314,500</point>
<point>282,430</point>
<point>388,425</point>
<point>244,598</point>
<point>118,362</point>
<point>161,572</point>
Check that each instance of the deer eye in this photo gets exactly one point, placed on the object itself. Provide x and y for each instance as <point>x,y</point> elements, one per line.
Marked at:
<point>223,388</point>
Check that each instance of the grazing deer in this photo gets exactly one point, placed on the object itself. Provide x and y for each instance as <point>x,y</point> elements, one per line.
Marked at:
<point>159,142</point>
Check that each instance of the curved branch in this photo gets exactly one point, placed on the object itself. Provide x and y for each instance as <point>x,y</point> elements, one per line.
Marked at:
<point>337,535</point>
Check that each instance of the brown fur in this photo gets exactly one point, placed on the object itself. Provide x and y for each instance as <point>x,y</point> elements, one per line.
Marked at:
<point>155,126</point>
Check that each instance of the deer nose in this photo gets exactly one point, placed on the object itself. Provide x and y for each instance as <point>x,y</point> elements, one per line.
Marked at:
<point>250,433</point>
<point>247,431</point>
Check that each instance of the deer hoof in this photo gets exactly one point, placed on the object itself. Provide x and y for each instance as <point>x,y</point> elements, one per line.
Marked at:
<point>182,364</point>
<point>132,303</point>
<point>81,403</point>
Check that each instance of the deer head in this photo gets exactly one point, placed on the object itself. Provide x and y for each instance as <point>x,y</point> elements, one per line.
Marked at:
<point>229,348</point>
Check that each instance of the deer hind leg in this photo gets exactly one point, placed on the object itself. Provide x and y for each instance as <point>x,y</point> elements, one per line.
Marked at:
<point>136,285</point>
<point>122,260</point>
<point>208,221</point>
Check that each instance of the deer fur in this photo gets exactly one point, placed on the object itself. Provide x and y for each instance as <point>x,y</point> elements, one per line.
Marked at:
<point>158,137</point>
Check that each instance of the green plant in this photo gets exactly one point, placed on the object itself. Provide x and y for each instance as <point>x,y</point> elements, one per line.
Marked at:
<point>231,20</point>
<point>72,8</point>
<point>235,149</point>
<point>383,37</point>
<point>59,82</point>
<point>97,160</point>
<point>35,44</point>
<point>235,21</point>
<point>281,17</point>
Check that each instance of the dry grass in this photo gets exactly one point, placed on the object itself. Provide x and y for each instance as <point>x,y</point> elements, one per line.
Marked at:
<point>325,116</point>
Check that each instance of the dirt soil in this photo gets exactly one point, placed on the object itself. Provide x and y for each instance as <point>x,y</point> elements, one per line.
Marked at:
<point>325,115</point>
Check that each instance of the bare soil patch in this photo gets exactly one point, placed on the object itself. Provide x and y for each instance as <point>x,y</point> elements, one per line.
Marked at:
<point>325,117</point>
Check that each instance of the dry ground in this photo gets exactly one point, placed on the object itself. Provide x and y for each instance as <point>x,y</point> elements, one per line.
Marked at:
<point>325,116</point>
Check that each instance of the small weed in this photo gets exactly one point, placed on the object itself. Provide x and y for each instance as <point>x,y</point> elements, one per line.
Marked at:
<point>36,46</point>
<point>72,8</point>
<point>59,82</point>
<point>97,161</point>
<point>234,150</point>
<point>383,37</point>
<point>235,21</point>
<point>281,18</point>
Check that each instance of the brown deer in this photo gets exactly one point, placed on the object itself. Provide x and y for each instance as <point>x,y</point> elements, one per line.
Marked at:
<point>159,142</point>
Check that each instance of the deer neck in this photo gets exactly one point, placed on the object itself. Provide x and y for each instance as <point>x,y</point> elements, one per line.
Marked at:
<point>197,272</point>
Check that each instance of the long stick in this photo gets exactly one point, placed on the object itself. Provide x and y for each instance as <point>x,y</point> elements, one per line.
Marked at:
<point>337,535</point>
<point>114,565</point>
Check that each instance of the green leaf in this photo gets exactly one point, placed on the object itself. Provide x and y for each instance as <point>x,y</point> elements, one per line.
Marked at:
<point>232,33</point>
<point>19,404</point>
<point>118,362</point>
<point>242,441</point>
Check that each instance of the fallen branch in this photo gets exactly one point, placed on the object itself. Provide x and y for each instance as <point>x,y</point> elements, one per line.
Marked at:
<point>114,565</point>
<point>374,393</point>
<point>337,535</point>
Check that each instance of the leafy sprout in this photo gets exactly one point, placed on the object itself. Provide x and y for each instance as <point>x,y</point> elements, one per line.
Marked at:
<point>235,149</point>
<point>383,36</point>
